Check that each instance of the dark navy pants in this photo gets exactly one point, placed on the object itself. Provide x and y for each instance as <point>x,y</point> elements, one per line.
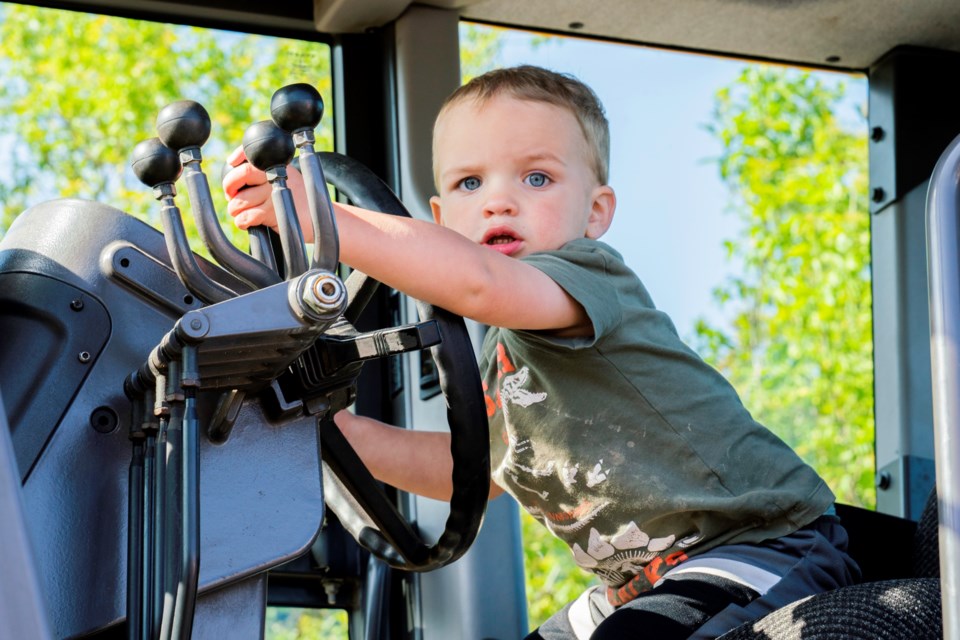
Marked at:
<point>716,591</point>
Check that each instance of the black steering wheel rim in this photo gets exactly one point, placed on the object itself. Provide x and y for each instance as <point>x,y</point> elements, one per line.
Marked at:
<point>394,541</point>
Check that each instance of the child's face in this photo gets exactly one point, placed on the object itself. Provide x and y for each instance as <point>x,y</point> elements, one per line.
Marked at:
<point>515,175</point>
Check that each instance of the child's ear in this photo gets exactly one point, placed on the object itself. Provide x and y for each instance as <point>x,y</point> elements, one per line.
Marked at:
<point>601,211</point>
<point>435,208</point>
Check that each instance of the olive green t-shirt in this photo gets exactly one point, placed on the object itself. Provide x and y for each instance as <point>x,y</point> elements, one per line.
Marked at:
<point>626,444</point>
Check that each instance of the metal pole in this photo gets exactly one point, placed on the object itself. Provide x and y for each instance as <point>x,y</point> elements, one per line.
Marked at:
<point>943,263</point>
<point>135,541</point>
<point>186,598</point>
<point>173,488</point>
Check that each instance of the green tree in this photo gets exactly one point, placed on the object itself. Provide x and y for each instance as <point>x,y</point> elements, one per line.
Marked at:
<point>480,48</point>
<point>552,577</point>
<point>799,348</point>
<point>80,90</point>
<point>287,623</point>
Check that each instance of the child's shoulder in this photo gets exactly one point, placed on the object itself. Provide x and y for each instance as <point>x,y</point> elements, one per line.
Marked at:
<point>584,252</point>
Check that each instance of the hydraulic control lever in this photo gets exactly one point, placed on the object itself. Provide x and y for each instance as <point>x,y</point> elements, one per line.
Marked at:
<point>254,331</point>
<point>241,344</point>
<point>298,109</point>
<point>270,149</point>
<point>164,544</point>
<point>158,167</point>
<point>184,126</point>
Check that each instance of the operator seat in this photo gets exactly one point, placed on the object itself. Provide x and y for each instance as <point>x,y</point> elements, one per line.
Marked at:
<point>893,609</point>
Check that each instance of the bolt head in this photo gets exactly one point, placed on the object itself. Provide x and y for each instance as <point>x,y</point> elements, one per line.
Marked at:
<point>324,293</point>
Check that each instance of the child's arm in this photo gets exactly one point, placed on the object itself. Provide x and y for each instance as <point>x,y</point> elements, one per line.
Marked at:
<point>414,461</point>
<point>424,260</point>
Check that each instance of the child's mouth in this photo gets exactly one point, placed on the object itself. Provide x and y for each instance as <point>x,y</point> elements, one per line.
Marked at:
<point>505,243</point>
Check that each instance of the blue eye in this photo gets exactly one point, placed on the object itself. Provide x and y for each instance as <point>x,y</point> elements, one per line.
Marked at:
<point>470,184</point>
<point>537,180</point>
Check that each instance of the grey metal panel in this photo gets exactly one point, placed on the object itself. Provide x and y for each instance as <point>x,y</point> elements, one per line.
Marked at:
<point>23,612</point>
<point>482,595</point>
<point>237,612</point>
<point>912,118</point>
<point>847,34</point>
<point>850,34</point>
<point>901,337</point>
<point>261,501</point>
<point>427,70</point>
<point>261,505</point>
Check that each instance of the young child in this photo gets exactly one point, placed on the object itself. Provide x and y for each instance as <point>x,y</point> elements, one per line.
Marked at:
<point>604,425</point>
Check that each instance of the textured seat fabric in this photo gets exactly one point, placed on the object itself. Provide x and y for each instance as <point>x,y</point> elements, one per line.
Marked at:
<point>926,546</point>
<point>907,609</point>
<point>902,609</point>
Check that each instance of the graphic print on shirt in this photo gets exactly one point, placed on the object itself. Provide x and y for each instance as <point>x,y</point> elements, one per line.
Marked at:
<point>564,494</point>
<point>628,553</point>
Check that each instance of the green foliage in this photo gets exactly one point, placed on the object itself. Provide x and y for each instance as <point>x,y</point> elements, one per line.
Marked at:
<point>553,578</point>
<point>305,624</point>
<point>80,90</point>
<point>800,346</point>
<point>482,45</point>
<point>480,48</point>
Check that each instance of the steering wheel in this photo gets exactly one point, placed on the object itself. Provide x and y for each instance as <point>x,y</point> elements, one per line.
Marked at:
<point>393,539</point>
<point>328,370</point>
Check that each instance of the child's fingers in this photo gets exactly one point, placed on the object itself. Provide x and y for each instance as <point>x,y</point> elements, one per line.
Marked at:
<point>236,157</point>
<point>254,196</point>
<point>250,218</point>
<point>257,198</point>
<point>241,177</point>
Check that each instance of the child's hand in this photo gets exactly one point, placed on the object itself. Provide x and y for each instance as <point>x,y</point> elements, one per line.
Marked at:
<point>249,198</point>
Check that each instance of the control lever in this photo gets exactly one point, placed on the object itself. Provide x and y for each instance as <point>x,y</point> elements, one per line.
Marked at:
<point>158,167</point>
<point>184,126</point>
<point>261,236</point>
<point>270,149</point>
<point>142,434</point>
<point>298,109</point>
<point>337,352</point>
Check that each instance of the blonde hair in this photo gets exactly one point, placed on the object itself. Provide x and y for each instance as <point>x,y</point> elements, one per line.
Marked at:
<point>536,84</point>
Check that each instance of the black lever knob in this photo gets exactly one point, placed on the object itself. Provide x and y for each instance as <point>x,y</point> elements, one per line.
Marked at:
<point>270,149</point>
<point>266,145</point>
<point>154,163</point>
<point>158,166</point>
<point>183,124</point>
<point>296,106</point>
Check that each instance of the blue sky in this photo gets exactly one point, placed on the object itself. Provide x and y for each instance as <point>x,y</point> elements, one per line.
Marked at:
<point>670,221</point>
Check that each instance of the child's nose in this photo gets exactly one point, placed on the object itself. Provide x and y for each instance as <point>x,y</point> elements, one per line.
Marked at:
<point>499,203</point>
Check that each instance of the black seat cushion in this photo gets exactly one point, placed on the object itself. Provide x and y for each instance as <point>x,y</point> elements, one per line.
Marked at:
<point>897,609</point>
<point>887,610</point>
<point>926,547</point>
